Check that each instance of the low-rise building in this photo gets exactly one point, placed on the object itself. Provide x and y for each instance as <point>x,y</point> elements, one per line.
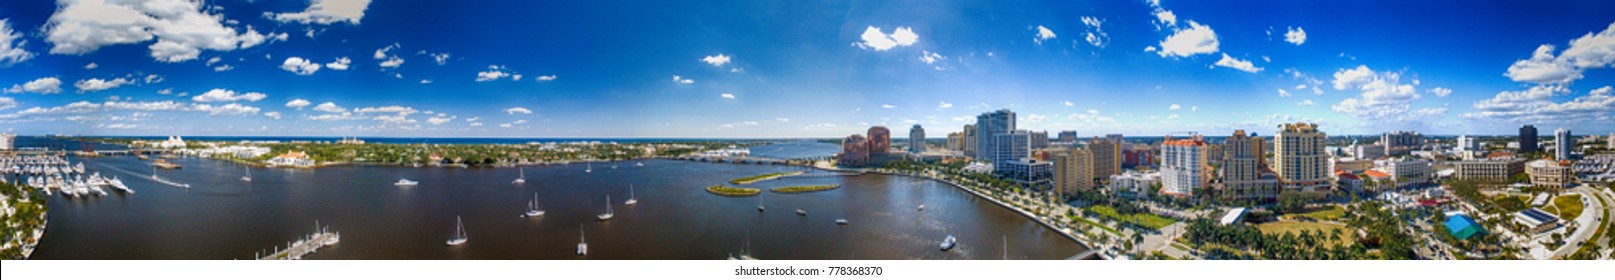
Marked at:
<point>1537,220</point>
<point>1028,173</point>
<point>1493,169</point>
<point>1133,184</point>
<point>1405,172</point>
<point>292,159</point>
<point>1550,173</point>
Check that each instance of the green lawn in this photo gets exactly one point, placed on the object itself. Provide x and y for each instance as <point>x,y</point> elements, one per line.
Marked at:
<point>1510,203</point>
<point>1144,219</point>
<point>1297,227</point>
<point>1329,214</point>
<point>1095,224</point>
<point>1569,206</point>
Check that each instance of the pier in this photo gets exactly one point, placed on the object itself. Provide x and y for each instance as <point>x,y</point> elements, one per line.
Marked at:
<point>295,250</point>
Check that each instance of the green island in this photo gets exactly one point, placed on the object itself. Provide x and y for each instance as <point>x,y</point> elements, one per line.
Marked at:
<point>729,191</point>
<point>769,176</point>
<point>804,189</point>
<point>20,231</point>
<point>327,153</point>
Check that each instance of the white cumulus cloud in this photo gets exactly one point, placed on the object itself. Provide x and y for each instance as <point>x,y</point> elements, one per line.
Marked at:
<point>46,85</point>
<point>518,110</point>
<point>340,64</point>
<point>300,66</point>
<point>298,103</point>
<point>97,84</point>
<point>11,46</point>
<point>180,29</point>
<point>1197,39</point>
<point>1237,64</point>
<point>717,60</point>
<point>325,12</point>
<point>1295,35</point>
<point>873,38</point>
<point>225,95</point>
<point>1043,34</point>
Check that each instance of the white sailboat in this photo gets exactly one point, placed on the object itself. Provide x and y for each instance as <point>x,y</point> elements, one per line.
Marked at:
<point>532,208</point>
<point>522,179</point>
<point>583,244</point>
<point>606,216</point>
<point>759,203</point>
<point>631,200</point>
<point>248,176</point>
<point>459,233</point>
<point>588,167</point>
<point>639,164</point>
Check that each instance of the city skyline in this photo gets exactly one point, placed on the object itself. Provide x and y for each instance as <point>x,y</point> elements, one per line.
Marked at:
<point>826,70</point>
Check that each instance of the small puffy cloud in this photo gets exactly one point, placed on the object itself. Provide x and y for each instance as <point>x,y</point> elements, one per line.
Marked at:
<point>11,46</point>
<point>272,115</point>
<point>325,12</point>
<point>97,84</point>
<point>1174,107</point>
<point>518,110</point>
<point>782,119</point>
<point>682,80</point>
<point>340,64</point>
<point>329,107</point>
<point>873,38</point>
<point>1165,17</point>
<point>727,95</point>
<point>888,106</point>
<point>225,95</point>
<point>1441,91</point>
<point>494,72</point>
<point>1067,103</point>
<point>91,66</point>
<point>717,60</point>
<point>300,66</point>
<point>439,120</point>
<point>944,105</point>
<point>46,85</point>
<point>382,52</point>
<point>1384,97</point>
<point>545,78</point>
<point>1295,36</point>
<point>392,62</point>
<point>1197,39</point>
<point>298,103</point>
<point>441,58</point>
<point>930,57</point>
<point>1095,35</point>
<point>1237,64</point>
<point>8,103</point>
<point>1043,34</point>
<point>1307,102</point>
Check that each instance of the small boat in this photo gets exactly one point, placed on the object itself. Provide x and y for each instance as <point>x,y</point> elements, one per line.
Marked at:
<point>589,167</point>
<point>532,208</point>
<point>522,179</point>
<point>948,243</point>
<point>801,212</point>
<point>639,164</point>
<point>631,200</point>
<point>459,233</point>
<point>405,183</point>
<point>607,215</point>
<point>922,207</point>
<point>841,222</point>
<point>759,203</point>
<point>248,177</point>
<point>583,244</point>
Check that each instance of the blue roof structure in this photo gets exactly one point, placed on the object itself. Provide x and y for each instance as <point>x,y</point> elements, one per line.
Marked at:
<point>1463,227</point>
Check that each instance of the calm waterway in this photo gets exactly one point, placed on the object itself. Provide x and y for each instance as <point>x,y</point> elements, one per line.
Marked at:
<point>222,217</point>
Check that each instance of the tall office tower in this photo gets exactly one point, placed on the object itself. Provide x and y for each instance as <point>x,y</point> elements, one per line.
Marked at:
<point>1400,143</point>
<point>988,126</point>
<point>854,150</point>
<point>1611,140</point>
<point>1183,165</point>
<point>1563,144</point>
<point>1107,158</point>
<point>1259,148</point>
<point>1467,144</point>
<point>970,141</point>
<point>1528,139</point>
<point>1067,136</point>
<point>1008,147</point>
<point>1242,173</point>
<point>880,140</point>
<point>916,139</point>
<point>1040,139</point>
<point>1073,170</point>
<point>1299,157</point>
<point>956,141</point>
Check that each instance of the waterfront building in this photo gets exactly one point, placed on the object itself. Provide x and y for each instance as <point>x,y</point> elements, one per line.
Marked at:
<point>292,159</point>
<point>1563,144</point>
<point>1028,173</point>
<point>1183,165</point>
<point>956,141</point>
<point>1070,136</point>
<point>916,139</point>
<point>854,151</point>
<point>173,142</point>
<point>880,140</point>
<point>1299,157</point>
<point>988,126</point>
<point>1132,184</point>
<point>1009,147</point>
<point>1462,227</point>
<point>1040,139</point>
<point>1403,172</point>
<point>1550,173</point>
<point>1073,170</point>
<point>8,141</point>
<point>969,140</point>
<point>1528,139</point>
<point>1242,175</point>
<point>1499,169</point>
<point>1400,143</point>
<point>1106,157</point>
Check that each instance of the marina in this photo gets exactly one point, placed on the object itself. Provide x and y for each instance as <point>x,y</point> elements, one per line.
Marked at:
<point>304,246</point>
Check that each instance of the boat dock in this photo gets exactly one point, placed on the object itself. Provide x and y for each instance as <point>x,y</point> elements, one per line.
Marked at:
<point>295,250</point>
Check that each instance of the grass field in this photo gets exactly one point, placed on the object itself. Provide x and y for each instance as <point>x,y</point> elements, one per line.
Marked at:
<point>1329,214</point>
<point>1297,227</point>
<point>1569,206</point>
<point>1144,219</point>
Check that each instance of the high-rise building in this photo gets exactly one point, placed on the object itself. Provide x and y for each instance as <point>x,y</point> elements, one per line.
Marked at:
<point>916,139</point>
<point>880,140</point>
<point>1563,144</point>
<point>1106,158</point>
<point>1027,172</point>
<point>1008,147</point>
<point>970,141</point>
<point>8,141</point>
<point>854,151</point>
<point>1040,139</point>
<point>1528,142</point>
<point>956,141</point>
<point>1467,144</point>
<point>1400,143</point>
<point>1260,147</point>
<point>1183,165</point>
<point>1073,170</point>
<point>1121,142</point>
<point>1611,140</point>
<point>988,126</point>
<point>1070,136</point>
<point>1242,171</point>
<point>1299,157</point>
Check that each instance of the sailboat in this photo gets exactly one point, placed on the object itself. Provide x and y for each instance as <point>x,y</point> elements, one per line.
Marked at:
<point>606,216</point>
<point>248,177</point>
<point>459,233</point>
<point>759,203</point>
<point>631,200</point>
<point>639,164</point>
<point>522,179</point>
<point>583,244</point>
<point>532,208</point>
<point>588,167</point>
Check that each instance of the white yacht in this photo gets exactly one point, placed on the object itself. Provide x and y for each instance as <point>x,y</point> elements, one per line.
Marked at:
<point>841,222</point>
<point>583,244</point>
<point>639,164</point>
<point>631,200</point>
<point>532,208</point>
<point>406,183</point>
<point>522,179</point>
<point>922,207</point>
<point>606,216</point>
<point>118,184</point>
<point>459,233</point>
<point>948,243</point>
<point>248,176</point>
<point>801,212</point>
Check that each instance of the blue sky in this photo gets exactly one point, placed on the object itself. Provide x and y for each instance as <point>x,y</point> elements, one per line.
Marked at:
<point>800,68</point>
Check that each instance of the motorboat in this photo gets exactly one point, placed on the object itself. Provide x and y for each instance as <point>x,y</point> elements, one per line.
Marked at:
<point>405,183</point>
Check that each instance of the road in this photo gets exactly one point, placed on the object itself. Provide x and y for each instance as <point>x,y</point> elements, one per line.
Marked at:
<point>1588,222</point>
